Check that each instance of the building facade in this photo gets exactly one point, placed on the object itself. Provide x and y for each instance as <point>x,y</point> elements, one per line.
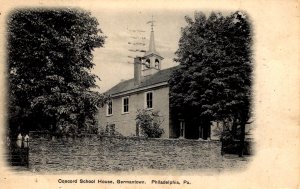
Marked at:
<point>121,111</point>
<point>148,90</point>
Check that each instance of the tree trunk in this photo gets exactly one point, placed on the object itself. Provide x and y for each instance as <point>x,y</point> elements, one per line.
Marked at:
<point>242,140</point>
<point>234,128</point>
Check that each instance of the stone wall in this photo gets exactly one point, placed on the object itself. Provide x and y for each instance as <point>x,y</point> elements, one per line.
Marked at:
<point>122,154</point>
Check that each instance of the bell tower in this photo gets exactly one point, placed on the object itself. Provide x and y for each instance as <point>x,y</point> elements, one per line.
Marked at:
<point>152,59</point>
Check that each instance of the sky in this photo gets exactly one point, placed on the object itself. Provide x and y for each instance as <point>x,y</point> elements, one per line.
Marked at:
<point>112,61</point>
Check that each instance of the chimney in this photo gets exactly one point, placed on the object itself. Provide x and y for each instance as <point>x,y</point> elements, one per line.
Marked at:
<point>137,70</point>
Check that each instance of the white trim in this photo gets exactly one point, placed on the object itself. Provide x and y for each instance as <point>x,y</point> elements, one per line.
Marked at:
<point>123,104</point>
<point>140,89</point>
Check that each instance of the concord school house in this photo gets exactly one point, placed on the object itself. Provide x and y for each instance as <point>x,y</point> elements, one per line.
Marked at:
<point>148,89</point>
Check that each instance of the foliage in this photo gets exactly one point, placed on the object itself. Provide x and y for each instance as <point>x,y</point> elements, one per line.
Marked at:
<point>50,62</point>
<point>214,80</point>
<point>149,122</point>
<point>227,130</point>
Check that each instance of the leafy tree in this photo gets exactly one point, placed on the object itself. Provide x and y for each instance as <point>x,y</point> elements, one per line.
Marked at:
<point>51,86</point>
<point>214,80</point>
<point>149,122</point>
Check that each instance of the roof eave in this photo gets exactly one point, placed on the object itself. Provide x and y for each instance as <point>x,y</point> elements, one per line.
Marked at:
<point>155,54</point>
<point>136,90</point>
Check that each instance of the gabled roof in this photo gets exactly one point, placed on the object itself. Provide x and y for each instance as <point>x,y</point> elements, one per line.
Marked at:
<point>161,76</point>
<point>152,53</point>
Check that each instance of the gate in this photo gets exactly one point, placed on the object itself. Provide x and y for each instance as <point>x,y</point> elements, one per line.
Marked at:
<point>18,151</point>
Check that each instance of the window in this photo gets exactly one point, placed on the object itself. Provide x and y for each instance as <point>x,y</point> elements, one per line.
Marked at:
<point>110,129</point>
<point>125,102</point>
<point>147,64</point>
<point>156,63</point>
<point>149,100</point>
<point>109,108</point>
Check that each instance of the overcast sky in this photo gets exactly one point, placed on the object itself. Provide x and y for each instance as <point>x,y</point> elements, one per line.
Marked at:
<point>112,60</point>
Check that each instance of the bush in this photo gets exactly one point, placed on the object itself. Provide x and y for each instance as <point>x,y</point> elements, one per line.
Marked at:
<point>149,122</point>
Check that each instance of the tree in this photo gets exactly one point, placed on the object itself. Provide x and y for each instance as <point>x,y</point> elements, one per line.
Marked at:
<point>214,80</point>
<point>51,86</point>
<point>149,122</point>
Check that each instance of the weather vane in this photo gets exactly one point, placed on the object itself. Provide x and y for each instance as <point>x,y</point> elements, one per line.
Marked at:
<point>152,23</point>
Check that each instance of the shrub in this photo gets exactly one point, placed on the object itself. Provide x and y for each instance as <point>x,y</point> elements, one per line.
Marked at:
<point>149,122</point>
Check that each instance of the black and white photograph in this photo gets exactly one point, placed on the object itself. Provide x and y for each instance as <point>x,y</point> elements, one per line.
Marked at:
<point>146,90</point>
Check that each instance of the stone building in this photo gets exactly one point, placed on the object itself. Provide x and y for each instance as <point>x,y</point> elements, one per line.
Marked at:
<point>149,90</point>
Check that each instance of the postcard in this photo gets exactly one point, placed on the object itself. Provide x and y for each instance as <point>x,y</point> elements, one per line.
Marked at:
<point>150,94</point>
